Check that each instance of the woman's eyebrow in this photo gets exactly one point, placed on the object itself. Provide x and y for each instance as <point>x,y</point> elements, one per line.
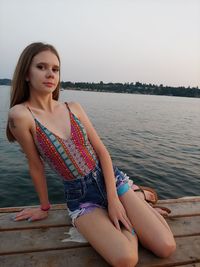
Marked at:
<point>47,64</point>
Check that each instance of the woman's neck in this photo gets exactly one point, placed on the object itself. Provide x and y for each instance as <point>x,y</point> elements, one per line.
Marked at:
<point>45,103</point>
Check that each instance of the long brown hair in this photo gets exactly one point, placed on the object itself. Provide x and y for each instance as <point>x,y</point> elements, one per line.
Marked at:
<point>20,91</point>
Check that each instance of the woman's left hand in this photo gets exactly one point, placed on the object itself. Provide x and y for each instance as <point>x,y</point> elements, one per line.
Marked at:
<point>31,214</point>
<point>117,213</point>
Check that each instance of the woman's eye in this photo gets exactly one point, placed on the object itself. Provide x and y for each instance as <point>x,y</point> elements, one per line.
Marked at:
<point>55,70</point>
<point>41,67</point>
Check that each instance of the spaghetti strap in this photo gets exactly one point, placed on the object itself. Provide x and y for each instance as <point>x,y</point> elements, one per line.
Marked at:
<point>67,106</point>
<point>30,112</point>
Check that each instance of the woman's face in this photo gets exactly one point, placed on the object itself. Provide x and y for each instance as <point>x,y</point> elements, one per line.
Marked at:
<point>44,73</point>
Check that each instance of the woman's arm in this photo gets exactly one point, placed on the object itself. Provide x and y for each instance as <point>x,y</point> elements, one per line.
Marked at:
<point>20,123</point>
<point>115,208</point>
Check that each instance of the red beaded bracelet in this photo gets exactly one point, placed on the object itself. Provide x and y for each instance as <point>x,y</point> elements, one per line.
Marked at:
<point>45,208</point>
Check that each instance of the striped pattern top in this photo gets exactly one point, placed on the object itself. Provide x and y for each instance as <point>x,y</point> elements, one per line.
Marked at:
<point>71,158</point>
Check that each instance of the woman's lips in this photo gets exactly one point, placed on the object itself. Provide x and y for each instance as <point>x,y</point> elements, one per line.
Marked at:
<point>49,84</point>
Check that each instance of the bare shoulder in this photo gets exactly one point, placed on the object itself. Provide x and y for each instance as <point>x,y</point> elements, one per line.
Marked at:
<point>21,124</point>
<point>76,108</point>
<point>19,115</point>
<point>74,105</point>
<point>18,112</point>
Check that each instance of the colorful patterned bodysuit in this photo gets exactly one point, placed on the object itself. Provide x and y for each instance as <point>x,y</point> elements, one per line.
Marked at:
<point>71,158</point>
<point>75,158</point>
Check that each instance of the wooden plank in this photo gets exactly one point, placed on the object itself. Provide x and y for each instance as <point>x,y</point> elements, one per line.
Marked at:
<point>183,209</point>
<point>60,217</point>
<point>36,240</point>
<point>63,205</point>
<point>187,253</point>
<point>191,265</point>
<point>58,214</point>
<point>185,226</point>
<point>84,257</point>
<point>180,226</point>
<point>55,218</point>
<point>181,200</point>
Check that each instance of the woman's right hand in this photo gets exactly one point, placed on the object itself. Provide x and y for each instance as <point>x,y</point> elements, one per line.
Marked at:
<point>31,214</point>
<point>117,213</point>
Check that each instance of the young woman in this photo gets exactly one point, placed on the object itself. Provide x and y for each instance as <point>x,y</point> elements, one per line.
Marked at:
<point>102,207</point>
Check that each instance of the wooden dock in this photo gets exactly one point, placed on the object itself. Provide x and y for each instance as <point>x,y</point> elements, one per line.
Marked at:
<point>54,243</point>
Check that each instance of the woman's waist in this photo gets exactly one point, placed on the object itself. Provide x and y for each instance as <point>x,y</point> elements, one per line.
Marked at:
<point>94,172</point>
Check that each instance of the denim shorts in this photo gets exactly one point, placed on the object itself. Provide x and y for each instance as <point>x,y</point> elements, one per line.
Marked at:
<point>85,194</point>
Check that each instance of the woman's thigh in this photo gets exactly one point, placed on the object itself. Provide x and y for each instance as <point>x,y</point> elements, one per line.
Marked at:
<point>114,246</point>
<point>153,232</point>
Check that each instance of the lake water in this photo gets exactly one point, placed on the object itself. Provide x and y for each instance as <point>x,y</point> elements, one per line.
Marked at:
<point>154,139</point>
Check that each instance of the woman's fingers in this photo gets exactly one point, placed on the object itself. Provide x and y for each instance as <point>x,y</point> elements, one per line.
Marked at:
<point>22,215</point>
<point>21,218</point>
<point>127,224</point>
<point>30,215</point>
<point>116,223</point>
<point>118,214</point>
<point>125,221</point>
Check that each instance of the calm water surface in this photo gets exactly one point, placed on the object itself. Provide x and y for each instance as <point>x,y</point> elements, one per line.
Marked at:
<point>154,139</point>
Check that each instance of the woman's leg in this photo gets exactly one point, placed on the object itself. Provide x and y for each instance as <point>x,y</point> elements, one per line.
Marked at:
<point>152,231</point>
<point>158,214</point>
<point>117,248</point>
<point>149,196</point>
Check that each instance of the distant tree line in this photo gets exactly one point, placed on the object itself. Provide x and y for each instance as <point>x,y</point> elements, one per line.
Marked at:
<point>5,82</point>
<point>130,88</point>
<point>133,88</point>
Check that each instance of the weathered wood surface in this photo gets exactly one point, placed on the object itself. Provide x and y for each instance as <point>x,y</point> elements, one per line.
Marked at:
<point>47,244</point>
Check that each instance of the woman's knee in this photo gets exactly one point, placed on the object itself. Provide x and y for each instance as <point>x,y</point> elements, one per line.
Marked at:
<point>126,261</point>
<point>166,248</point>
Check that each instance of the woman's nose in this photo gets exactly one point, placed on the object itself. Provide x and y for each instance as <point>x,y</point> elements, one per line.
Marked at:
<point>50,73</point>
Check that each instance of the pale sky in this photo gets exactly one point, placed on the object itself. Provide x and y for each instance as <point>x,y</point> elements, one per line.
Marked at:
<point>150,41</point>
